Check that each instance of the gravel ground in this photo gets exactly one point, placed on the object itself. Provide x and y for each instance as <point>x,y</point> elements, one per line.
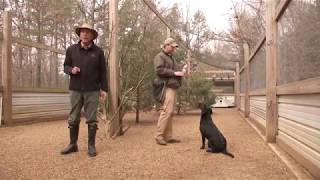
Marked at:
<point>32,152</point>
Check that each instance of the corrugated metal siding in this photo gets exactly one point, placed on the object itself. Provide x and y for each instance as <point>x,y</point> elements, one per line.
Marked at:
<point>258,109</point>
<point>299,125</point>
<point>242,103</point>
<point>38,105</point>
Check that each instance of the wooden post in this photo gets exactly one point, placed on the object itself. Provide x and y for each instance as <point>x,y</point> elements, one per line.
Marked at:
<point>114,70</point>
<point>271,81</point>
<point>237,86</point>
<point>7,68</point>
<point>247,80</point>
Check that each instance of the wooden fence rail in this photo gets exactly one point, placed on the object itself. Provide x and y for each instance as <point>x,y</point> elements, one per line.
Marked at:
<point>49,103</point>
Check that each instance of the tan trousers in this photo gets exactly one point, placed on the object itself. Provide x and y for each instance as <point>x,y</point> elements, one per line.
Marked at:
<point>164,126</point>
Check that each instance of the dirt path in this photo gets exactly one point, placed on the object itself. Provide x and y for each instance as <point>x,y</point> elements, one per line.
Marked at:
<point>32,152</point>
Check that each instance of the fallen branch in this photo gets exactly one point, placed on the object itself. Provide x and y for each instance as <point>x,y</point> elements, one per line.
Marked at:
<point>102,113</point>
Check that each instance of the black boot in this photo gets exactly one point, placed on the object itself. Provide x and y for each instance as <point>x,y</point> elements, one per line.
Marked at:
<point>92,129</point>
<point>72,147</point>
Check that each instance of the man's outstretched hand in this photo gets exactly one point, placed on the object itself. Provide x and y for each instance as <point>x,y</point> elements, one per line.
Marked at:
<point>179,73</point>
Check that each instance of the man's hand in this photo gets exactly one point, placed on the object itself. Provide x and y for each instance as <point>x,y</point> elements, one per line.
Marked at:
<point>75,70</point>
<point>185,67</point>
<point>103,95</point>
<point>179,73</point>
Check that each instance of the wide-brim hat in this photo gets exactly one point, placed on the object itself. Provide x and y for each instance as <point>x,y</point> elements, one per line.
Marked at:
<point>86,26</point>
<point>170,41</point>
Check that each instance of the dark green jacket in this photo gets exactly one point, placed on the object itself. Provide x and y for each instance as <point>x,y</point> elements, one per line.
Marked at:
<point>165,66</point>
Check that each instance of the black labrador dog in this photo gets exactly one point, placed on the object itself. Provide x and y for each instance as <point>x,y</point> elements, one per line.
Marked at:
<point>216,141</point>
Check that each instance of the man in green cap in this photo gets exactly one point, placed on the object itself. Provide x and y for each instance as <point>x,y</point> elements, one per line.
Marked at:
<point>167,70</point>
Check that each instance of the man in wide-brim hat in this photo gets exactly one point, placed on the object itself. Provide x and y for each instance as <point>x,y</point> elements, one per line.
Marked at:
<point>86,26</point>
<point>86,65</point>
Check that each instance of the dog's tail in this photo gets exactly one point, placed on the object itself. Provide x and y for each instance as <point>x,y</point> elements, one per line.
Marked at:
<point>228,153</point>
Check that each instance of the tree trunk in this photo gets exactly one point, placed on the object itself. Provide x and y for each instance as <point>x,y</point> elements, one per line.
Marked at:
<point>20,74</point>
<point>39,53</point>
<point>56,69</point>
<point>138,105</point>
<point>92,12</point>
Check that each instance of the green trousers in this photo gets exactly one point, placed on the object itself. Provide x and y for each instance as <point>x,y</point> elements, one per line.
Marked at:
<point>89,101</point>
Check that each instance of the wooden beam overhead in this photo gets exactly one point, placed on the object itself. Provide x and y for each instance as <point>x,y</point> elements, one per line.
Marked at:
<point>156,12</point>
<point>281,9</point>
<point>28,43</point>
<point>172,33</point>
<point>257,48</point>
